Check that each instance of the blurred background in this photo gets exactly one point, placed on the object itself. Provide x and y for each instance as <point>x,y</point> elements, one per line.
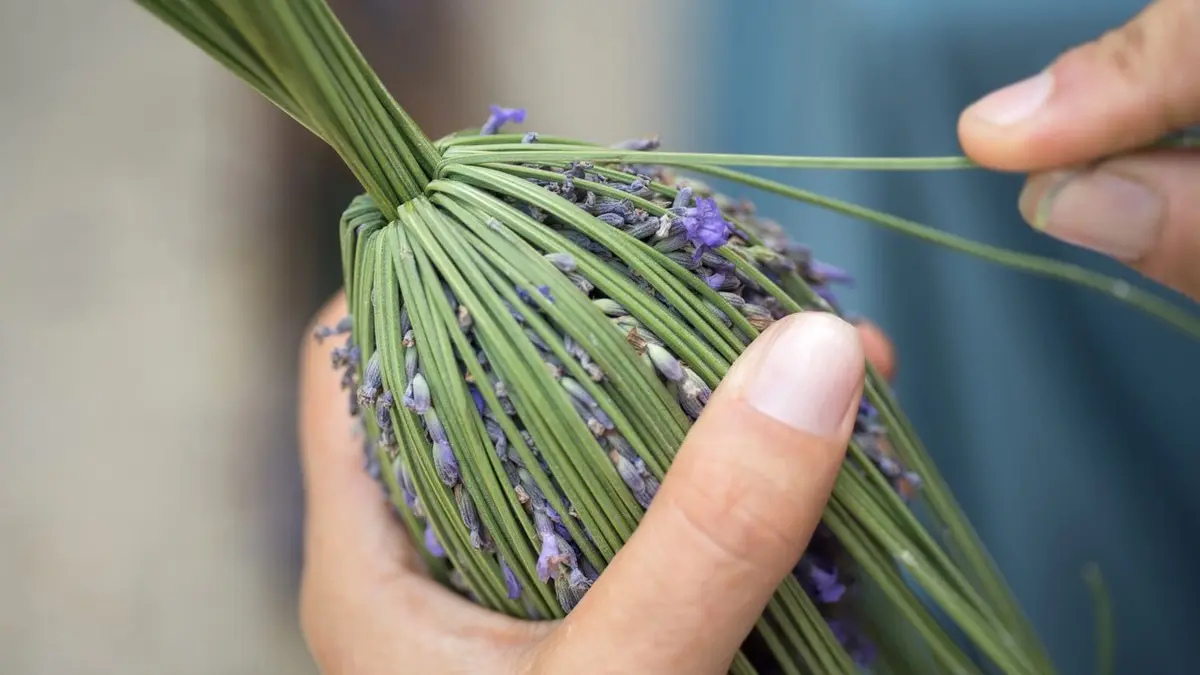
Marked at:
<point>165,235</point>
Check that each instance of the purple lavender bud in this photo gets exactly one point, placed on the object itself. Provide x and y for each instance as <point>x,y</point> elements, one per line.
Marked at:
<point>409,491</point>
<point>345,356</point>
<point>638,144</point>
<point>496,434</point>
<point>644,228</point>
<point>758,316</point>
<point>614,219</point>
<point>416,395</point>
<point>477,397</point>
<point>565,262</point>
<point>672,243</point>
<point>466,507</point>
<point>718,313</point>
<point>693,394</point>
<point>372,382</point>
<point>684,259</point>
<point>502,395</point>
<point>549,554</point>
<point>618,443</point>
<point>735,300</point>
<point>715,280</point>
<point>531,490</point>
<point>445,464</point>
<point>640,187</point>
<point>530,137</point>
<point>716,262</point>
<point>665,363</point>
<point>683,198</point>
<point>826,294</point>
<point>410,363</point>
<point>829,590</point>
<point>382,415</point>
<point>621,207</point>
<point>570,589</point>
<point>431,542</point>
<point>343,326</point>
<point>510,580</point>
<point>862,651</point>
<point>866,410</point>
<point>499,117</point>
<point>632,477</point>
<point>577,392</point>
<point>828,274</point>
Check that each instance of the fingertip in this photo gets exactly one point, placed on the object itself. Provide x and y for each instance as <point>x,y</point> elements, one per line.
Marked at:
<point>878,348</point>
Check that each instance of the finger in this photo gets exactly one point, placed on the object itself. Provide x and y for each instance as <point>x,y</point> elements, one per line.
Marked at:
<point>1143,210</point>
<point>348,525</point>
<point>1121,92</point>
<point>877,347</point>
<point>735,512</point>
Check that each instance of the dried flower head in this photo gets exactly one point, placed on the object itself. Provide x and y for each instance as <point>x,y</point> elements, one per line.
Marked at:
<point>554,315</point>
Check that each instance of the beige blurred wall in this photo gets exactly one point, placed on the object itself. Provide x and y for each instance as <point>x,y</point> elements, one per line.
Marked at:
<point>136,393</point>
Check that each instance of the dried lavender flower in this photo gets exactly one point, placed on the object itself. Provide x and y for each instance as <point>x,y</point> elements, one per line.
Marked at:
<point>541,275</point>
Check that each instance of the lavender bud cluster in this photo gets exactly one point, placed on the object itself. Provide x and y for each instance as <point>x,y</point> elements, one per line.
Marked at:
<point>694,228</point>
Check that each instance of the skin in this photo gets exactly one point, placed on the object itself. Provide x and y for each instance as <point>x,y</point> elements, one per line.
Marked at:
<point>367,607</point>
<point>1113,95</point>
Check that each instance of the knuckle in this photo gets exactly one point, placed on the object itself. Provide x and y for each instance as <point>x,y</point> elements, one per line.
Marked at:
<point>739,513</point>
<point>1149,56</point>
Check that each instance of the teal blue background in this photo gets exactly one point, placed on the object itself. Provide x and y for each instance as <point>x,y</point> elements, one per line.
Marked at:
<point>1065,422</point>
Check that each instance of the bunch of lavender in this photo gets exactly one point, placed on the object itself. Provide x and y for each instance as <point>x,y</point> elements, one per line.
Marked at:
<point>536,322</point>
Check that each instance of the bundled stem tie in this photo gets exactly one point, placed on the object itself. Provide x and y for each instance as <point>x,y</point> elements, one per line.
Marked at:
<point>536,323</point>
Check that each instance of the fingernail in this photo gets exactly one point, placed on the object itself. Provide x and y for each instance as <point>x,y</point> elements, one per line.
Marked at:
<point>1095,209</point>
<point>809,374</point>
<point>1015,102</point>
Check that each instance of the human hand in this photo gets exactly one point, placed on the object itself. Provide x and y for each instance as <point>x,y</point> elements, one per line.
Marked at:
<point>730,521</point>
<point>1119,93</point>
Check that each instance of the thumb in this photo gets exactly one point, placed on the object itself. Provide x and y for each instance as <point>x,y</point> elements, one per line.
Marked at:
<point>1123,91</point>
<point>733,515</point>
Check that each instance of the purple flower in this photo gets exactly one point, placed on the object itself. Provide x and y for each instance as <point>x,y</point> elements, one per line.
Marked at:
<point>715,280</point>
<point>865,409</point>
<point>406,486</point>
<point>861,650</point>
<point>480,405</point>
<point>510,581</point>
<point>444,463</point>
<point>829,590</point>
<point>829,274</point>
<point>548,555</point>
<point>826,294</point>
<point>432,544</point>
<point>501,116</point>
<point>705,226</point>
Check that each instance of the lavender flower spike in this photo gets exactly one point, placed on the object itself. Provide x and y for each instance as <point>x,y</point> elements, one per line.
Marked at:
<point>432,544</point>
<point>510,580</point>
<point>501,116</point>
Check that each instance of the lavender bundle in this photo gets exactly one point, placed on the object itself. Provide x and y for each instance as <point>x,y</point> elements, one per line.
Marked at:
<point>535,324</point>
